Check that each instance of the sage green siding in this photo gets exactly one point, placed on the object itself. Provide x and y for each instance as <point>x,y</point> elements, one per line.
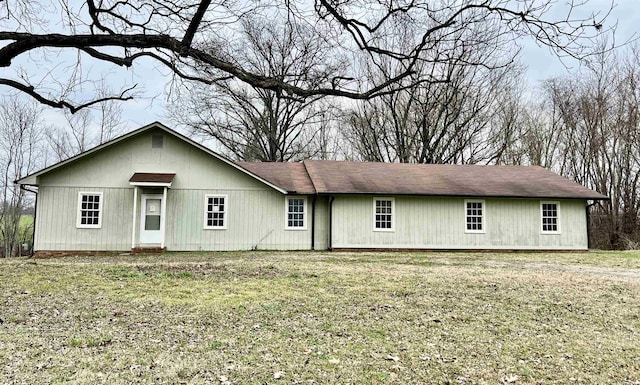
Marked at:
<point>439,223</point>
<point>322,223</point>
<point>113,166</point>
<point>255,211</point>
<point>57,214</point>
<point>255,220</point>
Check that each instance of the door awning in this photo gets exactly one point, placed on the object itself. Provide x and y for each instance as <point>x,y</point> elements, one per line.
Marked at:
<point>151,179</point>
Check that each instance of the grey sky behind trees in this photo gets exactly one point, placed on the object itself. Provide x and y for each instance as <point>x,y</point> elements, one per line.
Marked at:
<point>540,64</point>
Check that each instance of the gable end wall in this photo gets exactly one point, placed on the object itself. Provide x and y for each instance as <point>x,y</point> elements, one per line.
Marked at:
<point>256,217</point>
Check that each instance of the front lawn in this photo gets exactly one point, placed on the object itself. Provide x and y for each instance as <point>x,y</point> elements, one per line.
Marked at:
<point>318,318</point>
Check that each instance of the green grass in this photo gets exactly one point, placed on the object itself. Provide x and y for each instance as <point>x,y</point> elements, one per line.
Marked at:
<point>301,318</point>
<point>25,227</point>
<point>26,222</point>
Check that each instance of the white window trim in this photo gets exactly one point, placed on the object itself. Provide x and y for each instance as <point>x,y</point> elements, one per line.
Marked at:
<point>393,214</point>
<point>286,212</point>
<point>79,225</point>
<point>484,217</point>
<point>226,211</point>
<point>557,203</point>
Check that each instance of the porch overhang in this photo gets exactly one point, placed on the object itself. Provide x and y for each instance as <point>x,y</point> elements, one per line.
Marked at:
<point>147,179</point>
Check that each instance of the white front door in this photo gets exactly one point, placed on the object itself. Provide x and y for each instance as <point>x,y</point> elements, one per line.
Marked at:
<point>151,219</point>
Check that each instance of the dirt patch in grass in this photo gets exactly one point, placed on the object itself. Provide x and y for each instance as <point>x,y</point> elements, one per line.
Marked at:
<point>210,270</point>
<point>302,318</point>
<point>598,271</point>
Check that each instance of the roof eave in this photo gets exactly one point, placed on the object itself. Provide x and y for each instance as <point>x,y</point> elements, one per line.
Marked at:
<point>150,184</point>
<point>594,198</point>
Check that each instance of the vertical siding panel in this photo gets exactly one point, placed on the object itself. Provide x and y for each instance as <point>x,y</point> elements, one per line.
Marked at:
<point>36,225</point>
<point>176,215</point>
<point>434,222</point>
<point>99,234</point>
<point>179,232</point>
<point>68,209</point>
<point>52,231</point>
<point>109,213</point>
<point>421,222</point>
<point>321,225</point>
<point>184,225</point>
<point>187,232</point>
<point>189,227</point>
<point>182,230</point>
<point>58,231</point>
<point>43,212</point>
<point>43,208</point>
<point>170,219</point>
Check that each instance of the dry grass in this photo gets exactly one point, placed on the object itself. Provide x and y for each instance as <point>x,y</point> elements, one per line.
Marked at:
<point>257,318</point>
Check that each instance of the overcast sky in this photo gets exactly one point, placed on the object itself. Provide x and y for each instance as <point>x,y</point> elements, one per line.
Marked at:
<point>539,61</point>
<point>542,64</point>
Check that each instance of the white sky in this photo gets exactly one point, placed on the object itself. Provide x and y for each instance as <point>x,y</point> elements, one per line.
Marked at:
<point>540,63</point>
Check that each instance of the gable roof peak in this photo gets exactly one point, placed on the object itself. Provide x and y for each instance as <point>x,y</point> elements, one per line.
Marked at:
<point>31,179</point>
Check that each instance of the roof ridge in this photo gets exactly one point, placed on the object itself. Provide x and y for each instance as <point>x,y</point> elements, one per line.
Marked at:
<point>316,180</point>
<point>306,170</point>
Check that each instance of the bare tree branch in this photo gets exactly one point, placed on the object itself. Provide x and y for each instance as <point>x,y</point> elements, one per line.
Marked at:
<point>30,90</point>
<point>200,40</point>
<point>194,24</point>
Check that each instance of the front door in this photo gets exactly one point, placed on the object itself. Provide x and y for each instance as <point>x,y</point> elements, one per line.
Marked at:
<point>151,219</point>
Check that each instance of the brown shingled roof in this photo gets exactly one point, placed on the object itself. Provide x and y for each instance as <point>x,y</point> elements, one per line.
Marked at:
<point>147,177</point>
<point>338,177</point>
<point>292,177</point>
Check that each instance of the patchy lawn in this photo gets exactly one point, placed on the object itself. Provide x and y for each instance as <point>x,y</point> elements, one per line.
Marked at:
<point>302,318</point>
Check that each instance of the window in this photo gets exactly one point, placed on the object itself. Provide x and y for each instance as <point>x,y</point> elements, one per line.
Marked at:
<point>89,210</point>
<point>550,217</point>
<point>474,216</point>
<point>296,213</point>
<point>215,212</point>
<point>383,214</point>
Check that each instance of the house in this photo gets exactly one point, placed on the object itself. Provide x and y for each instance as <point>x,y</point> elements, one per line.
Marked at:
<point>155,188</point>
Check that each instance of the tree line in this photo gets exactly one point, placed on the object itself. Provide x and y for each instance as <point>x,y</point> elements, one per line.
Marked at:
<point>374,80</point>
<point>584,125</point>
<point>29,143</point>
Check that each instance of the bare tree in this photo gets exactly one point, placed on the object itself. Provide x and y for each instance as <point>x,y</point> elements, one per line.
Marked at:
<point>85,129</point>
<point>178,36</point>
<point>434,122</point>
<point>505,125</point>
<point>538,135</point>
<point>588,129</point>
<point>252,123</point>
<point>20,153</point>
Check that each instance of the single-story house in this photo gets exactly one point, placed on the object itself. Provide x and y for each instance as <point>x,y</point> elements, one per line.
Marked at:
<point>155,188</point>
